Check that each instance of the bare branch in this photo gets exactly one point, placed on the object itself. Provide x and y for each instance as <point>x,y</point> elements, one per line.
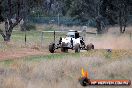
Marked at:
<point>17,22</point>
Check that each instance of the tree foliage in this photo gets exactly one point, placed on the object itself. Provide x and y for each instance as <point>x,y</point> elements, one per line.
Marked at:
<point>102,11</point>
<point>113,11</point>
<point>12,12</point>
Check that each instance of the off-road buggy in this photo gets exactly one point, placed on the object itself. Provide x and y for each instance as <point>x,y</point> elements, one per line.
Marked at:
<point>73,41</point>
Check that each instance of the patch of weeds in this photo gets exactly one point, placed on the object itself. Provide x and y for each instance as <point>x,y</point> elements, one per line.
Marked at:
<point>30,26</point>
<point>39,58</point>
<point>108,55</point>
<point>7,62</point>
<point>116,76</point>
<point>96,64</point>
<point>111,76</point>
<point>52,56</point>
<point>49,29</point>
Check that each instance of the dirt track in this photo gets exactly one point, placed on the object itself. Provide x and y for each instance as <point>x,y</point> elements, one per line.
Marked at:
<point>21,53</point>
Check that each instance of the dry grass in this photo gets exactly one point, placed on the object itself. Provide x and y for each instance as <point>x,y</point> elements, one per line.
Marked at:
<point>62,73</point>
<point>111,41</point>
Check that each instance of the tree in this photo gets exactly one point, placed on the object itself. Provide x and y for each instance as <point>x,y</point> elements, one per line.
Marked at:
<point>1,17</point>
<point>11,22</point>
<point>103,11</point>
<point>89,9</point>
<point>123,13</point>
<point>116,12</point>
<point>12,17</point>
<point>12,12</point>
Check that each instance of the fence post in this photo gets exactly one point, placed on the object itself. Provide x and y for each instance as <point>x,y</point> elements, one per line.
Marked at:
<point>54,36</point>
<point>25,39</point>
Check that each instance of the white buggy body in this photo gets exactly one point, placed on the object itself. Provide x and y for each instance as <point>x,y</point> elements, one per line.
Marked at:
<point>71,36</point>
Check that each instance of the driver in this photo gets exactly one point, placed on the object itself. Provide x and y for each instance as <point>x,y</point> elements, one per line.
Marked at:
<point>76,34</point>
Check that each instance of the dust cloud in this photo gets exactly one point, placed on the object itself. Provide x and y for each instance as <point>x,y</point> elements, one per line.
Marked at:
<point>111,41</point>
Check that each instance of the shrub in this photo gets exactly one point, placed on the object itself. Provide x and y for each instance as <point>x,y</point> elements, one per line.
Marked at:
<point>30,26</point>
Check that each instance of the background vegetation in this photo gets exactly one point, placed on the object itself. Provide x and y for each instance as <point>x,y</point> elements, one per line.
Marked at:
<point>96,13</point>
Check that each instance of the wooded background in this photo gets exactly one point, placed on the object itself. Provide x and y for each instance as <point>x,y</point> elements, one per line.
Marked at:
<point>95,13</point>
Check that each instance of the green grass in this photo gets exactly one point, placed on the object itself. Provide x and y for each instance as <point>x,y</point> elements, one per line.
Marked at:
<point>7,62</point>
<point>52,56</point>
<point>39,58</point>
<point>113,56</point>
<point>33,38</point>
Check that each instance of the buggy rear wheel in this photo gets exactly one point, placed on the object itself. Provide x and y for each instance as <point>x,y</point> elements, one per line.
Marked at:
<point>52,48</point>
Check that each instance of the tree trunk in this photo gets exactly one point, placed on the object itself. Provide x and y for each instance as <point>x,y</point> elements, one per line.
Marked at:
<point>123,17</point>
<point>9,25</point>
<point>8,34</point>
<point>99,30</point>
<point>122,23</point>
<point>8,31</point>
